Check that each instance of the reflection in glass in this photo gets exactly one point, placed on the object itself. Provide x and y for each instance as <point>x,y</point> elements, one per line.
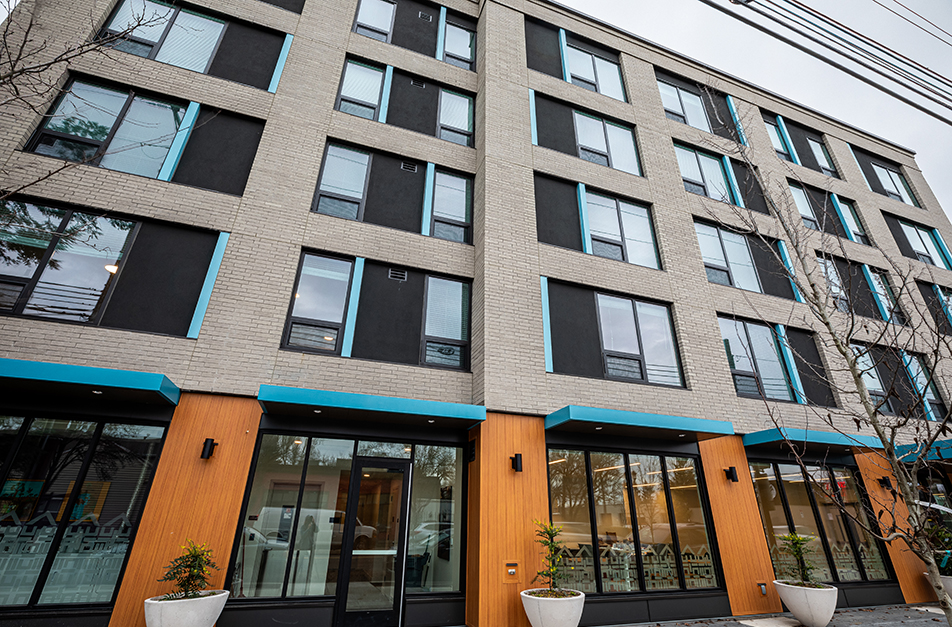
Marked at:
<point>837,536</point>
<point>617,322</point>
<point>714,178</point>
<point>361,83</point>
<point>696,557</point>
<point>143,139</point>
<point>459,42</point>
<point>869,551</point>
<point>87,111</point>
<point>322,289</point>
<point>456,111</point>
<point>451,197</point>
<point>621,146</point>
<point>591,132</point>
<point>654,524</point>
<point>772,515</point>
<point>804,522</point>
<point>617,551</point>
<point>344,172</point>
<point>191,41</point>
<point>639,236</point>
<point>661,356</point>
<point>568,493</point>
<point>25,234</point>
<point>392,450</point>
<point>148,18</point>
<point>376,14</point>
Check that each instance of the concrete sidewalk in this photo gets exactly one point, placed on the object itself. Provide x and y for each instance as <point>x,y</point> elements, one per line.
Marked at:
<point>926,615</point>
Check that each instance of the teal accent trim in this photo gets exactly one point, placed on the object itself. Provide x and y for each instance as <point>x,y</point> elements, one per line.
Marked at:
<point>385,97</point>
<point>441,34</point>
<point>206,294</point>
<point>856,161</point>
<point>883,311</point>
<point>740,129</point>
<point>911,373</point>
<point>782,247</point>
<point>839,213</point>
<point>811,437</point>
<point>787,140</point>
<point>939,450</point>
<point>787,354</point>
<point>546,325</point>
<point>279,66</point>
<point>428,198</point>
<point>271,395</point>
<point>583,219</point>
<point>597,415</point>
<point>942,301</point>
<point>178,144</point>
<point>732,181</point>
<point>347,344</point>
<point>564,53</point>
<point>92,377</point>
<point>532,118</point>
<point>940,243</point>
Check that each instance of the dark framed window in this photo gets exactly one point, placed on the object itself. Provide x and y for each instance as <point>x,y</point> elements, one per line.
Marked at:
<point>704,174</point>
<point>375,19</point>
<point>343,185</point>
<point>631,522</point>
<point>621,230</point>
<point>754,357</point>
<point>360,90</point>
<point>637,341</point>
<point>777,139</point>
<point>684,106</point>
<point>606,143</point>
<point>822,156</point>
<point>852,221</point>
<point>459,46</point>
<point>446,324</point>
<point>595,73</point>
<point>886,295</point>
<point>74,491</point>
<point>316,319</point>
<point>834,283</point>
<point>452,207</point>
<point>727,257</point>
<point>923,241</point>
<point>456,118</point>
<point>804,207</point>
<point>926,388</point>
<point>869,363</point>
<point>894,183</point>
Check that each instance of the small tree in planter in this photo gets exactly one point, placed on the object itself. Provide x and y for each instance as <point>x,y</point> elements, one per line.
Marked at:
<point>810,602</point>
<point>552,606</point>
<point>188,605</point>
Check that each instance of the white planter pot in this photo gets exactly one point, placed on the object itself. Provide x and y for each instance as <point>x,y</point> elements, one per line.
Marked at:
<point>199,612</point>
<point>543,612</point>
<point>813,607</point>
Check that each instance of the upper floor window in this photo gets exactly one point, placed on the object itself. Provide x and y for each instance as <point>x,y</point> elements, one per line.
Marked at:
<point>595,73</point>
<point>343,182</point>
<point>926,388</point>
<point>923,242</point>
<point>754,358</point>
<point>884,177</point>
<point>804,207</point>
<point>360,90</point>
<point>446,332</point>
<point>456,118</point>
<point>320,299</point>
<point>894,183</point>
<point>798,144</point>
<point>777,139</point>
<point>460,46</point>
<point>606,143</point>
<point>637,341</point>
<point>834,283</point>
<point>868,365</point>
<point>703,174</point>
<point>822,157</point>
<point>452,206</point>
<point>375,19</point>
<point>727,257</point>
<point>823,211</point>
<point>852,221</point>
<point>620,230</point>
<point>684,106</point>
<point>886,297</point>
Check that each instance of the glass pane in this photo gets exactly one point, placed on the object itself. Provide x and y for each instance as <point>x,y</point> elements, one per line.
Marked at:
<point>90,557</point>
<point>132,47</point>
<point>83,264</point>
<point>593,157</point>
<point>740,261</point>
<point>616,542</point>
<point>338,208</point>
<point>869,374</point>
<point>463,139</point>
<point>716,275</point>
<point>900,183</point>
<point>661,358</point>
<point>852,220</point>
<point>804,522</point>
<point>885,179</point>
<point>322,289</point>
<point>362,83</point>
<point>580,64</point>
<point>711,251</point>
<point>87,111</point>
<point>670,98</point>
<point>447,308</point>
<point>819,153</point>
<point>836,534</point>
<point>66,149</point>
<point>320,527</point>
<point>927,239</point>
<point>590,131</point>
<point>451,232</point>
<point>869,553</point>
<point>33,500</point>
<point>687,161</point>
<point>654,525</point>
<point>269,517</point>
<point>344,172</point>
<point>772,373</point>
<point>394,450</point>
<point>25,233</point>
<point>621,146</point>
<point>881,287</point>
<point>735,343</point>
<point>714,178</point>
<point>609,79</point>
<point>311,336</point>
<point>434,552</point>
<point>459,42</point>
<point>617,321</point>
<point>639,237</point>
<point>623,367</point>
<point>452,197</point>
<point>568,496</point>
<point>441,354</point>
<point>694,110</point>
<point>143,139</point>
<point>607,250</point>
<point>147,19</point>
<point>9,428</point>
<point>456,111</point>
<point>696,554</point>
<point>603,217</point>
<point>363,111</point>
<point>832,276</point>
<point>376,13</point>
<point>803,203</point>
<point>775,137</point>
<point>191,41</point>
<point>767,490</point>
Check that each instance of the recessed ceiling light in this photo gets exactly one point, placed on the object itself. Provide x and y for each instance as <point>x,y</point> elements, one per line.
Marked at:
<point>406,449</point>
<point>680,435</point>
<point>97,391</point>
<point>317,411</point>
<point>431,421</point>
<point>366,475</point>
<point>328,338</point>
<point>598,428</point>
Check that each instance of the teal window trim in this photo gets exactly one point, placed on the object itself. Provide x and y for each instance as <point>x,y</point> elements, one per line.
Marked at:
<point>805,436</point>
<point>428,198</point>
<point>348,344</point>
<point>856,161</point>
<point>940,244</point>
<point>206,294</point>
<point>839,214</point>
<point>564,53</point>
<point>793,375</point>
<point>740,128</point>
<point>732,181</point>
<point>546,325</point>
<point>782,247</point>
<point>532,118</point>
<point>385,96</point>
<point>279,66</point>
<point>786,139</point>
<point>883,311</point>
<point>945,305</point>
<point>574,415</point>
<point>583,219</point>
<point>178,144</point>
<point>441,34</point>
<point>911,373</point>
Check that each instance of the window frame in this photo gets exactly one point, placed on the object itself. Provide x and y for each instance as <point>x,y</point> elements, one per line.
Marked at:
<point>340,327</point>
<point>773,129</point>
<point>836,289</point>
<point>470,64</point>
<point>887,294</point>
<point>358,25</point>
<point>813,222</point>
<point>897,195</point>
<point>758,379</point>
<point>863,352</point>
<point>466,226</point>
<point>727,268</point>
<point>583,82</point>
<point>922,230</point>
<point>579,147</point>
<point>469,134</point>
<point>829,169</point>
<point>342,98</point>
<point>623,242</point>
<point>673,115</point>
<point>318,194</point>
<point>703,183</point>
<point>853,223</point>
<point>464,345</point>
<point>926,388</point>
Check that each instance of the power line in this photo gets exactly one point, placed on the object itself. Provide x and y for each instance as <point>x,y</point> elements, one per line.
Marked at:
<point>917,25</point>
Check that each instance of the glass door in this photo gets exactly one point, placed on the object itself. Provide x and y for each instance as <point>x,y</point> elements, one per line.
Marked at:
<point>370,590</point>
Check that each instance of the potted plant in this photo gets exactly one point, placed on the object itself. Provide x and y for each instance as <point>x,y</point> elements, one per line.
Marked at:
<point>552,606</point>
<point>810,602</point>
<point>189,605</point>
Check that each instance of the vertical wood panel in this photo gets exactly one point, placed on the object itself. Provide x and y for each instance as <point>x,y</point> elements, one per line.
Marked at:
<point>908,567</point>
<point>191,497</point>
<point>503,504</point>
<point>740,533</point>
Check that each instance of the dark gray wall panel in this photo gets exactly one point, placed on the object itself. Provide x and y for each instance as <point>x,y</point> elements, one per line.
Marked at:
<point>557,216</point>
<point>555,125</point>
<point>773,276</point>
<point>866,160</point>
<point>291,5</point>
<point>243,615</point>
<point>750,189</point>
<point>247,54</point>
<point>825,212</point>
<point>861,297</point>
<point>413,108</point>
<point>576,346</point>
<point>413,32</point>
<point>161,279</point>
<point>812,373</point>
<point>896,382</point>
<point>542,49</point>
<point>435,612</point>
<point>591,46</point>
<point>935,307</point>
<point>389,316</point>
<point>799,135</point>
<point>900,236</point>
<point>394,195</point>
<point>220,152</point>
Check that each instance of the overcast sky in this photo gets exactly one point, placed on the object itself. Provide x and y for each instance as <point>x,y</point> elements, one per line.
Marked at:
<point>703,33</point>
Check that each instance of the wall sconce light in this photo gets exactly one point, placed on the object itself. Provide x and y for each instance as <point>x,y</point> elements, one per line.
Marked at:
<point>208,448</point>
<point>731,474</point>
<point>517,462</point>
<point>885,483</point>
<point>763,588</point>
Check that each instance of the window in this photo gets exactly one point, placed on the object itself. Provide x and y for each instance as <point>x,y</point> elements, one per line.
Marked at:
<point>446,333</point>
<point>703,174</point>
<point>73,495</point>
<point>804,207</point>
<point>343,182</point>
<point>776,138</point>
<point>822,157</point>
<point>113,128</point>
<point>923,242</point>
<point>852,222</point>
<point>834,283</point>
<point>727,257</point>
<point>595,73</point>
<point>886,297</point>
<point>459,47</point>
<point>868,366</point>
<point>894,183</point>
<point>620,230</point>
<point>375,19</point>
<point>625,327</point>
<point>684,106</point>
<point>320,298</point>
<point>606,143</point>
<point>925,388</point>
<point>167,34</point>
<point>360,90</point>
<point>659,540</point>
<point>452,207</point>
<point>456,118</point>
<point>754,358</point>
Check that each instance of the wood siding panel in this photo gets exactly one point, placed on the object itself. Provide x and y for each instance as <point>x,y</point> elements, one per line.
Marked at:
<point>745,557</point>
<point>502,505</point>
<point>908,567</point>
<point>194,498</point>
